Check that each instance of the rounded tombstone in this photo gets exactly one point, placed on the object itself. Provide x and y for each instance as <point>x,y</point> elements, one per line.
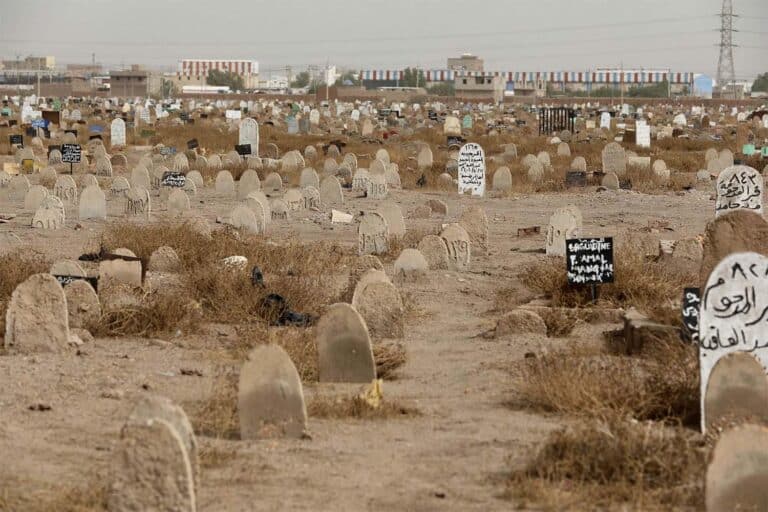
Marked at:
<point>196,178</point>
<point>382,155</point>
<point>119,160</point>
<point>294,199</point>
<point>351,160</point>
<point>659,165</point>
<point>280,210</point>
<point>263,206</point>
<point>36,319</point>
<point>225,184</point>
<point>50,214</point>
<point>119,187</point>
<point>458,243</point>
<point>378,167</point>
<point>614,159</point>
<point>89,180</point>
<point>248,182</point>
<point>18,187</point>
<point>737,391</point>
<point>380,305</point>
<point>67,268</point>
<point>737,475</point>
<point>273,183</point>
<point>344,346</point>
<point>579,164</point>
<point>34,197</point>
<point>360,180</point>
<point>291,162</point>
<point>164,259</point>
<point>424,160</point>
<point>610,181</point>
<point>103,167</point>
<point>475,223</point>
<point>311,198</point>
<point>138,201</point>
<point>711,154</point>
<point>151,447</point>
<point>82,304</point>
<point>243,217</point>
<point>372,235</point>
<point>330,192</point>
<point>309,178</point>
<point>140,178</point>
<point>377,186</point>
<point>330,166</point>
<point>178,202</point>
<point>392,176</point>
<point>93,204</point>
<point>214,163</point>
<point>529,160</point>
<point>270,400</point>
<point>54,157</point>
<point>543,158</point>
<point>435,252</point>
<point>393,215</point>
<point>48,176</point>
<point>181,163</point>
<point>563,149</point>
<point>502,179</point>
<point>333,151</point>
<point>535,172</point>
<point>411,263</point>
<point>310,153</point>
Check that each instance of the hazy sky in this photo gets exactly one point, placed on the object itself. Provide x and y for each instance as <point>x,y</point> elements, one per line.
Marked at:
<point>514,35</point>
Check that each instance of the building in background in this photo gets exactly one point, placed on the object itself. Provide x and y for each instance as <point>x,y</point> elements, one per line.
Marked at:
<point>30,63</point>
<point>467,62</point>
<point>479,87</point>
<point>135,82</point>
<point>84,69</point>
<point>195,71</point>
<point>702,86</point>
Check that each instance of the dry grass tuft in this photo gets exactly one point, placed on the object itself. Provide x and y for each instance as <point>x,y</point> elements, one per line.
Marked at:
<point>613,464</point>
<point>216,416</point>
<point>560,321</point>
<point>660,385</point>
<point>356,407</point>
<point>156,313</point>
<point>213,457</point>
<point>92,498</point>
<point>15,268</point>
<point>389,357</point>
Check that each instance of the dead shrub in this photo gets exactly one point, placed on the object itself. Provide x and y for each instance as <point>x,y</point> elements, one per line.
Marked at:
<point>608,464</point>
<point>156,313</point>
<point>356,407</point>
<point>15,268</point>
<point>91,498</point>
<point>388,357</point>
<point>212,457</point>
<point>559,321</point>
<point>216,415</point>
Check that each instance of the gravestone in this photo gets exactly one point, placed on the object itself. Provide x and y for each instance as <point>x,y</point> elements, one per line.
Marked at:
<point>273,183</point>
<point>140,178</point>
<point>344,346</point>
<point>309,178</point>
<point>259,203</point>
<point>372,235</point>
<point>377,186</point>
<point>614,159</point>
<point>380,305</point>
<point>737,391</point>
<point>382,155</point>
<point>50,214</point>
<point>579,164</point>
<point>424,159</point>
<point>178,202</point>
<point>89,180</point>
<point>126,271</point>
<point>93,204</point>
<point>411,263</point>
<point>392,176</point>
<point>270,398</point>
<point>360,180</point>
<point>83,304</point>
<point>225,184</point>
<point>452,127</point>
<point>294,199</point>
<point>66,190</point>
<point>18,188</point>
<point>164,259</point>
<point>737,474</point>
<point>36,319</point>
<point>475,222</point>
<point>502,179</point>
<point>393,216</point>
<point>248,182</point>
<point>458,244</point>
<point>151,470</point>
<point>739,187</point>
<point>330,192</point>
<point>564,224</point>
<point>137,201</point>
<point>280,210</point>
<point>610,181</point>
<point>34,197</point>
<point>117,132</point>
<point>732,315</point>
<point>471,172</point>
<point>196,178</point>
<point>435,252</point>
<point>103,167</point>
<point>245,218</point>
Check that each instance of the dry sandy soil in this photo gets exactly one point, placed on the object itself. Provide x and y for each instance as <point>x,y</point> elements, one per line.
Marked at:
<point>455,454</point>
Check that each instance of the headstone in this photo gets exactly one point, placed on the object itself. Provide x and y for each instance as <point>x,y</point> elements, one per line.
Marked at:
<point>18,188</point>
<point>245,218</point>
<point>249,134</point>
<point>309,178</point>
<point>737,475</point>
<point>435,252</point>
<point>36,319</point>
<point>93,204</point>
<point>611,181</point>
<point>411,263</point>
<point>137,201</point>
<point>502,179</point>
<point>83,304</point>
<point>732,316</point>
<point>475,222</point>
<point>380,305</point>
<point>117,132</point>
<point>472,169</point>
<point>330,192</point>
<point>344,346</point>
<point>140,178</point>
<point>225,184</point>
<point>458,243</point>
<point>50,214</point>
<point>270,398</point>
<point>372,235</point>
<point>294,199</point>
<point>178,202</point>
<point>737,391</point>
<point>248,182</point>
<point>311,198</point>
<point>564,224</point>
<point>393,216</point>
<point>739,187</point>
<point>34,197</point>
<point>614,159</point>
<point>280,210</point>
<point>377,186</point>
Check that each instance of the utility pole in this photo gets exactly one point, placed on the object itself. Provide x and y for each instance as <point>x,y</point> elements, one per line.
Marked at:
<point>725,69</point>
<point>621,84</point>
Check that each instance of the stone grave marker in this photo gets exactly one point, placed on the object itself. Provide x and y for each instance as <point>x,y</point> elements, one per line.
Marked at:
<point>225,184</point>
<point>344,346</point>
<point>614,159</point>
<point>435,252</point>
<point>372,235</point>
<point>410,264</point>
<point>245,218</point>
<point>270,397</point>
<point>280,210</point>
<point>739,187</point>
<point>458,244</point>
<point>502,179</point>
<point>311,198</point>
<point>118,270</point>
<point>36,319</point>
<point>83,304</point>
<point>178,202</point>
<point>117,132</point>
<point>564,224</point>
<point>737,391</point>
<point>309,178</point>
<point>248,182</point>
<point>50,214</point>
<point>93,204</point>
<point>137,201</point>
<point>380,305</point>
<point>294,199</point>
<point>18,187</point>
<point>34,197</point>
<point>471,169</point>
<point>330,192</point>
<point>140,178</point>
<point>66,189</point>
<point>393,216</point>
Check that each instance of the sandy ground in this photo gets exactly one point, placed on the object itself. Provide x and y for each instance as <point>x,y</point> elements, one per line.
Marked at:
<point>454,456</point>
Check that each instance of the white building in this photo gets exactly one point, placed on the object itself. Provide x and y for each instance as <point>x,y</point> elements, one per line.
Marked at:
<point>195,71</point>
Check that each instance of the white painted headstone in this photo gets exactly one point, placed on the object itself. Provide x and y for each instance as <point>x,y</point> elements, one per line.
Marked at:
<point>739,187</point>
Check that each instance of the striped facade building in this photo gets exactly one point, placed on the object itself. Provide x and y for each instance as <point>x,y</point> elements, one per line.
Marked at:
<point>195,71</point>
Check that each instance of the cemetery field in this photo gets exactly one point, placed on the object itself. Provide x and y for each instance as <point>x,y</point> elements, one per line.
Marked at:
<point>325,318</point>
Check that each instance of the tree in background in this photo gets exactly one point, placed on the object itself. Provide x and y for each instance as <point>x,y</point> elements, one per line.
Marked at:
<point>226,78</point>
<point>413,78</point>
<point>442,89</point>
<point>300,80</point>
<point>761,83</point>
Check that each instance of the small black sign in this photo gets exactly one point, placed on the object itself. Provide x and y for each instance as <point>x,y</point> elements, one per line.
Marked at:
<point>184,116</point>
<point>203,116</point>
<point>73,132</point>
<point>12,122</point>
<point>243,149</point>
<point>17,140</point>
<point>71,153</point>
<point>173,179</point>
<point>575,179</point>
<point>690,311</point>
<point>455,141</point>
<point>589,260</point>
<point>65,280</point>
<point>96,136</point>
<point>167,150</point>
<point>432,115</point>
<point>31,132</point>
<point>384,113</point>
<point>192,144</point>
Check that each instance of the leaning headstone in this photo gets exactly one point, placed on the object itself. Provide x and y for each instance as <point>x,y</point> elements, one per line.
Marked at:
<point>737,391</point>
<point>243,217</point>
<point>614,159</point>
<point>372,235</point>
<point>380,305</point>
<point>36,319</point>
<point>564,224</point>
<point>475,222</point>
<point>739,187</point>
<point>344,346</point>
<point>93,204</point>
<point>732,315</point>
<point>270,398</point>
<point>737,475</point>
<point>459,246</point>
<point>472,169</point>
<point>152,470</point>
